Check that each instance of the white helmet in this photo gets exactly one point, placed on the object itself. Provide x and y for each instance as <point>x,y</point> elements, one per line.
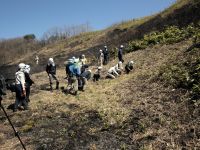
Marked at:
<point>105,46</point>
<point>21,66</point>
<point>131,62</point>
<point>121,46</point>
<point>27,68</point>
<point>100,50</point>
<point>51,60</point>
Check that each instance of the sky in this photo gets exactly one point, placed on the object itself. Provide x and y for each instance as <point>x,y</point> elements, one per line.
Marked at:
<point>21,17</point>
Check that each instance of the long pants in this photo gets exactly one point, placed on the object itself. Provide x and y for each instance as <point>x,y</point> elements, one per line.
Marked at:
<point>73,82</point>
<point>28,89</point>
<point>20,100</point>
<point>51,78</point>
<point>96,77</point>
<point>110,75</point>
<point>105,60</point>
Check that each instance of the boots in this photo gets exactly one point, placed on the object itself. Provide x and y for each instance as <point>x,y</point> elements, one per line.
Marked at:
<point>57,85</point>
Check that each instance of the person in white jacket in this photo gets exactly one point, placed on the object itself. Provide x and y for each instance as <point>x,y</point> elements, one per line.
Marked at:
<point>115,71</point>
<point>20,88</point>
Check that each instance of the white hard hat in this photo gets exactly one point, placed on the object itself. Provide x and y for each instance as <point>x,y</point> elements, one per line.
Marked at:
<point>119,62</point>
<point>121,46</point>
<point>100,50</point>
<point>50,59</point>
<point>105,46</point>
<point>83,55</point>
<point>131,62</point>
<point>21,66</point>
<point>27,68</point>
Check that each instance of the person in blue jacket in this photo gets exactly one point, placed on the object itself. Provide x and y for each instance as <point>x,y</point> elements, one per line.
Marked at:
<point>74,75</point>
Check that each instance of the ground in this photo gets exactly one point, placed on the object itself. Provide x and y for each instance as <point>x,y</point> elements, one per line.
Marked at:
<point>134,111</point>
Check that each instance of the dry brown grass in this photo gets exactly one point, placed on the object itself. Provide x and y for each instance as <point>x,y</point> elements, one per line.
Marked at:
<point>106,110</point>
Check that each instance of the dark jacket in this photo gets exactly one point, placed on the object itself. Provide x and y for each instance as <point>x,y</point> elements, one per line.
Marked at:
<point>50,69</point>
<point>120,55</point>
<point>28,80</point>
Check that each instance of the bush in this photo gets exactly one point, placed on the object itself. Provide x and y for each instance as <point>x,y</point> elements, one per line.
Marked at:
<point>184,75</point>
<point>170,35</point>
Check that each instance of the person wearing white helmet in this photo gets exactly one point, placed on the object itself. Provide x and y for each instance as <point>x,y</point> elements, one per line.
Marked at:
<point>106,55</point>
<point>74,76</point>
<point>37,59</point>
<point>101,58</point>
<point>83,60</point>
<point>112,73</point>
<point>20,88</point>
<point>119,67</point>
<point>120,53</point>
<point>129,66</point>
<point>28,81</point>
<point>51,71</point>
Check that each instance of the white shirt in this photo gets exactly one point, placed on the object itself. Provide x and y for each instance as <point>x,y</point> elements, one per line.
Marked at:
<point>20,79</point>
<point>113,70</point>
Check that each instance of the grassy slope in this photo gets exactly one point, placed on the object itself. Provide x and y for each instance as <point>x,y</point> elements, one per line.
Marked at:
<point>134,111</point>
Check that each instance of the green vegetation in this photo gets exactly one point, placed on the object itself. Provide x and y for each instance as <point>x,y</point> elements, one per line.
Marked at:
<point>185,74</point>
<point>170,35</point>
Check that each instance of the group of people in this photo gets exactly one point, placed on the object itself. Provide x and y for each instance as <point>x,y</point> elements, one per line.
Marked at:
<point>77,75</point>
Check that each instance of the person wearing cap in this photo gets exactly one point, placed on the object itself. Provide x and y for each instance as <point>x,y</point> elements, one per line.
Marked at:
<point>101,58</point>
<point>83,60</point>
<point>120,53</point>
<point>106,55</point>
<point>119,67</point>
<point>97,74</point>
<point>74,76</point>
<point>37,59</point>
<point>84,77</point>
<point>20,88</point>
<point>51,71</point>
<point>129,66</point>
<point>28,81</point>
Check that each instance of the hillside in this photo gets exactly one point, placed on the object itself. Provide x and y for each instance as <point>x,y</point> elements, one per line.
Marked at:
<point>181,14</point>
<point>142,113</point>
<point>156,106</point>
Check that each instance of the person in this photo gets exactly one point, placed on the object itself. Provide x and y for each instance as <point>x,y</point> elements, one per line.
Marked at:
<point>106,55</point>
<point>112,73</point>
<point>68,63</point>
<point>101,58</point>
<point>28,81</point>
<point>84,77</point>
<point>37,59</point>
<point>74,75</point>
<point>129,66</point>
<point>20,88</point>
<point>83,60</point>
<point>120,53</point>
<point>51,71</point>
<point>97,74</point>
<point>119,67</point>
